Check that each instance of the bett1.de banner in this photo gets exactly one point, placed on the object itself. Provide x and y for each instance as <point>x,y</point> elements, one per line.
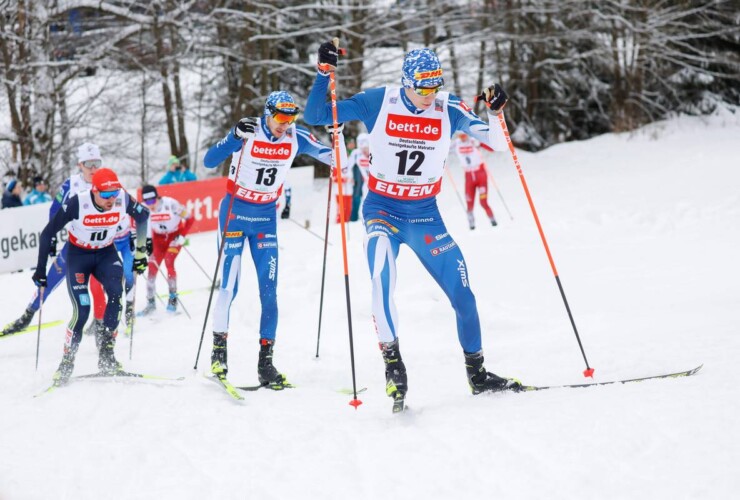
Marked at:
<point>20,228</point>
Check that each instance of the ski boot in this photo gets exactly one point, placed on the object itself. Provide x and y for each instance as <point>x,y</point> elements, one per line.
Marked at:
<point>106,341</point>
<point>129,315</point>
<point>482,381</point>
<point>64,372</point>
<point>150,308</point>
<point>471,220</point>
<point>219,354</point>
<point>493,221</point>
<point>396,381</point>
<point>96,325</point>
<point>19,324</point>
<point>172,303</point>
<point>266,371</point>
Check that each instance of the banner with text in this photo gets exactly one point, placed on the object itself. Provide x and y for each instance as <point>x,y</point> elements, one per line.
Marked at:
<point>20,230</point>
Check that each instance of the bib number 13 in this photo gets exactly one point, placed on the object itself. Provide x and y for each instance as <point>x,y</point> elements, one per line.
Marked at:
<point>404,157</point>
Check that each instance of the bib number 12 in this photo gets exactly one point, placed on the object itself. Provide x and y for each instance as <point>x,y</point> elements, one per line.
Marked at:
<point>417,157</point>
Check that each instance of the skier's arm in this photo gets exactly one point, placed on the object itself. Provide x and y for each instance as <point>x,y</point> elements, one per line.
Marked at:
<point>220,151</point>
<point>309,145</point>
<point>60,198</point>
<point>140,215</point>
<point>363,106</point>
<point>463,118</point>
<point>68,212</point>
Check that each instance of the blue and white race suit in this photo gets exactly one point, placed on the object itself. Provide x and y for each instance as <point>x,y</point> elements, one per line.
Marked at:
<point>409,148</point>
<point>256,184</point>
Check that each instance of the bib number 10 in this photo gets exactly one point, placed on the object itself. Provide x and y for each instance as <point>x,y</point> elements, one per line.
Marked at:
<point>98,235</point>
<point>417,157</point>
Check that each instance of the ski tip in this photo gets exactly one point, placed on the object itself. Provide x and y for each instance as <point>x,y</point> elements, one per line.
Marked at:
<point>588,372</point>
<point>356,403</point>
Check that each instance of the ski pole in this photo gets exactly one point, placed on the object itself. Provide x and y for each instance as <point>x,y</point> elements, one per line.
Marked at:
<point>133,321</point>
<point>208,276</point>
<point>497,190</point>
<point>588,372</point>
<point>38,330</point>
<point>323,267</point>
<point>220,253</point>
<point>454,187</point>
<point>338,169</point>
<point>305,228</point>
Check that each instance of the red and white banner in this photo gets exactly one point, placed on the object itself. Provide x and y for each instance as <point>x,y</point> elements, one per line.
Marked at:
<point>202,199</point>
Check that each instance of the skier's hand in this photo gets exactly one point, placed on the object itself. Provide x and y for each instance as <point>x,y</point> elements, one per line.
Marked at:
<point>53,246</point>
<point>140,261</point>
<point>330,129</point>
<point>178,241</point>
<point>328,56</point>
<point>494,97</point>
<point>39,278</point>
<point>149,246</point>
<point>246,128</point>
<point>285,214</point>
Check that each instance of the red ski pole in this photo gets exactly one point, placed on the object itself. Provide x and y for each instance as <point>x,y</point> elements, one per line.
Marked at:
<point>338,172</point>
<point>588,372</point>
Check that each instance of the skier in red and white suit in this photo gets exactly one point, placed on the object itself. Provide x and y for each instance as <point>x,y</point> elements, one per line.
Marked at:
<point>169,222</point>
<point>476,177</point>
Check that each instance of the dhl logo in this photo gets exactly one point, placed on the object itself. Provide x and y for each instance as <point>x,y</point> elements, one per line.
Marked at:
<point>234,234</point>
<point>423,75</point>
<point>286,106</point>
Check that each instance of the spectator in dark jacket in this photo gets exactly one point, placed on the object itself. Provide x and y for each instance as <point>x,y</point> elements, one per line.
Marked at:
<point>12,195</point>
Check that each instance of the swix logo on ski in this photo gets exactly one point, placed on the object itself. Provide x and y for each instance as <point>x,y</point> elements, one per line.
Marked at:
<point>267,151</point>
<point>160,217</point>
<point>101,220</point>
<point>414,127</point>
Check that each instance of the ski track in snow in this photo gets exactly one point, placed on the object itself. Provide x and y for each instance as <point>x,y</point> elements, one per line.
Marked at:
<point>644,231</point>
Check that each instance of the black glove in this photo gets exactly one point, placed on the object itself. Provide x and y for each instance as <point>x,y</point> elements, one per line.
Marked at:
<point>132,241</point>
<point>330,129</point>
<point>53,246</point>
<point>140,261</point>
<point>39,278</point>
<point>328,57</point>
<point>246,128</point>
<point>149,246</point>
<point>285,214</point>
<point>495,97</point>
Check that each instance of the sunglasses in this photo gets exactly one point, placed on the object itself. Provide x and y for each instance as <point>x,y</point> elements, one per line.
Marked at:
<point>282,118</point>
<point>425,91</point>
<point>92,163</point>
<point>150,201</point>
<point>109,194</point>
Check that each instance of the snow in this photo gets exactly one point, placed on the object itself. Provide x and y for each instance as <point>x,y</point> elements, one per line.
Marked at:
<point>644,231</point>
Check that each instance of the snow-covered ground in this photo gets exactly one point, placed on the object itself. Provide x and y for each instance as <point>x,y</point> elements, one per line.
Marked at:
<point>644,229</point>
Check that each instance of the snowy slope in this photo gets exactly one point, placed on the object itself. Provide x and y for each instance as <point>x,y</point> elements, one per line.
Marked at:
<point>644,229</point>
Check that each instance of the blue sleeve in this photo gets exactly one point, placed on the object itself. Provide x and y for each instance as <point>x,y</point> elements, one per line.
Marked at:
<point>311,146</point>
<point>59,199</point>
<point>462,118</point>
<point>167,178</point>
<point>27,200</point>
<point>190,176</point>
<point>70,210</point>
<point>222,150</point>
<point>364,106</point>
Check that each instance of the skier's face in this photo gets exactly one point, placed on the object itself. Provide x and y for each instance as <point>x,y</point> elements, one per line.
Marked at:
<point>277,129</point>
<point>421,102</point>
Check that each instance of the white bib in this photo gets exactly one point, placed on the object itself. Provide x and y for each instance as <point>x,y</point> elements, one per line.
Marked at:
<point>94,229</point>
<point>468,154</point>
<point>264,166</point>
<point>167,218</point>
<point>409,150</point>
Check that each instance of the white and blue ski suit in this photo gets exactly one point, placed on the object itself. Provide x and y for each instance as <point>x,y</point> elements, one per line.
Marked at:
<point>409,148</point>
<point>256,185</point>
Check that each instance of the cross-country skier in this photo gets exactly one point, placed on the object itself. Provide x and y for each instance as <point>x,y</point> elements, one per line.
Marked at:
<point>93,217</point>
<point>89,161</point>
<point>359,162</point>
<point>410,129</point>
<point>266,147</point>
<point>169,223</point>
<point>476,177</point>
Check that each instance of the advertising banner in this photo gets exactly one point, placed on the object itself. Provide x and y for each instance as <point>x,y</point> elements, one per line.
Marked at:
<point>201,198</point>
<point>20,230</point>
